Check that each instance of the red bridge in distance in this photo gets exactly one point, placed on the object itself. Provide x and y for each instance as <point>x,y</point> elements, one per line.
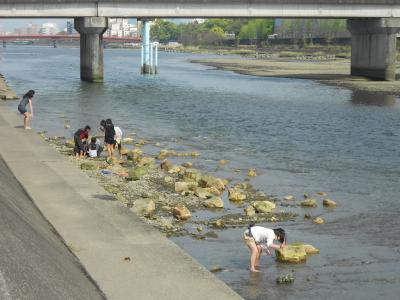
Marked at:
<point>64,37</point>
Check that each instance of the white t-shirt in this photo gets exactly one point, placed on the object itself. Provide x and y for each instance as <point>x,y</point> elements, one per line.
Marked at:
<point>118,134</point>
<point>263,235</point>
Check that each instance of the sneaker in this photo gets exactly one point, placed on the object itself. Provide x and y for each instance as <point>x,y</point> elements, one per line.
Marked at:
<point>28,128</point>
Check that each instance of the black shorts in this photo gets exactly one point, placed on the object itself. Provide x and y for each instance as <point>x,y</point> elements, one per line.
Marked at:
<point>78,144</point>
<point>22,109</point>
<point>109,141</point>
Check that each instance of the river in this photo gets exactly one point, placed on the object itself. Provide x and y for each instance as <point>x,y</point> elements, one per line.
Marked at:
<point>301,136</point>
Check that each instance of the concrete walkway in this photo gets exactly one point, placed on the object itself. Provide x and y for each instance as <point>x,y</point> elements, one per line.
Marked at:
<point>102,233</point>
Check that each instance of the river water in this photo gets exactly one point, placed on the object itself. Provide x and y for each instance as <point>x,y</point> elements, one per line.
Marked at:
<point>301,136</point>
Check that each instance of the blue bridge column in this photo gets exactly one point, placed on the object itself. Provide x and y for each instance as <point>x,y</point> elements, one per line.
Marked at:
<point>146,66</point>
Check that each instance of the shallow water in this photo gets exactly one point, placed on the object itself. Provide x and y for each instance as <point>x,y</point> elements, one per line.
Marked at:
<point>302,137</point>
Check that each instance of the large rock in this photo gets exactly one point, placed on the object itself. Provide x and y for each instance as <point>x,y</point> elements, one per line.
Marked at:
<point>146,161</point>
<point>137,173</point>
<point>166,165</point>
<point>328,203</point>
<point>318,221</point>
<point>263,206</point>
<point>202,193</point>
<point>309,203</point>
<point>89,166</point>
<point>236,195</point>
<point>181,212</point>
<point>252,173</point>
<point>144,206</point>
<point>214,202</point>
<point>183,186</point>
<point>250,211</point>
<point>211,181</point>
<point>192,175</point>
<point>295,253</point>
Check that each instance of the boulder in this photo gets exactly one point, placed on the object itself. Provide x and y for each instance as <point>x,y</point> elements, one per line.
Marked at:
<point>202,193</point>
<point>309,249</point>
<point>146,161</point>
<point>263,206</point>
<point>166,165</point>
<point>309,202</point>
<point>127,140</point>
<point>252,173</point>
<point>250,211</point>
<point>236,195</point>
<point>211,181</point>
<point>318,220</point>
<point>290,254</point>
<point>183,186</point>
<point>322,193</point>
<point>289,198</point>
<point>89,166</point>
<point>192,174</point>
<point>124,151</point>
<point>213,190</point>
<point>187,164</point>
<point>328,203</point>
<point>214,202</point>
<point>144,207</point>
<point>175,170</point>
<point>181,212</point>
<point>137,173</point>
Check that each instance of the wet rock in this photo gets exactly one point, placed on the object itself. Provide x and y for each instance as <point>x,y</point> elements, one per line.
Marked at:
<point>187,165</point>
<point>263,206</point>
<point>307,216</point>
<point>211,181</point>
<point>285,279</point>
<point>163,154</point>
<point>202,193</point>
<point>128,140</point>
<point>236,194</point>
<point>211,234</point>
<point>157,145</point>
<point>169,180</point>
<point>181,212</point>
<point>194,154</point>
<point>89,166</point>
<point>145,207</point>
<point>249,211</point>
<point>134,154</point>
<point>182,186</point>
<point>322,193</point>
<point>245,186</point>
<point>328,203</point>
<point>146,161</point>
<point>218,223</point>
<point>309,203</point>
<point>306,196</point>
<point>214,202</point>
<point>124,151</point>
<point>318,220</point>
<point>223,162</point>
<point>216,268</point>
<point>67,126</point>
<point>214,191</point>
<point>175,170</point>
<point>137,173</point>
<point>199,228</point>
<point>309,249</point>
<point>252,173</point>
<point>290,254</point>
<point>166,165</point>
<point>288,198</point>
<point>192,175</point>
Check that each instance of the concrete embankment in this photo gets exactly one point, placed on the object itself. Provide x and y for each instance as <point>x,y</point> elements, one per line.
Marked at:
<point>127,258</point>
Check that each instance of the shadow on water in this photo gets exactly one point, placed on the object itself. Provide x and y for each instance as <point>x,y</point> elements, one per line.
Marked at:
<point>371,98</point>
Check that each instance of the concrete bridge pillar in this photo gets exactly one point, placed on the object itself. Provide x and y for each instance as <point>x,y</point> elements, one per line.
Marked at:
<point>373,47</point>
<point>91,31</point>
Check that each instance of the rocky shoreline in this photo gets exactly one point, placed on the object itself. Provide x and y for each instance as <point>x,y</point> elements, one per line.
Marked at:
<point>168,195</point>
<point>6,93</point>
<point>330,71</point>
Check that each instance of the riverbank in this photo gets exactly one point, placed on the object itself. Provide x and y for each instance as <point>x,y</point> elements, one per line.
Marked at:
<point>6,93</point>
<point>124,256</point>
<point>331,72</point>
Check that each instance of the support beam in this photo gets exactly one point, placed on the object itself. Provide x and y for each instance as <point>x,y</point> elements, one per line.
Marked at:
<point>91,31</point>
<point>373,47</point>
<point>146,65</point>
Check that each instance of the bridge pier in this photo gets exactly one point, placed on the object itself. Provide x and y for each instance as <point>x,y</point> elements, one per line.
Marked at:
<point>146,65</point>
<point>373,47</point>
<point>4,43</point>
<point>91,31</point>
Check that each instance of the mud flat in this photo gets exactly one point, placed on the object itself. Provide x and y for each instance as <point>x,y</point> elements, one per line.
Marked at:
<point>6,93</point>
<point>332,72</point>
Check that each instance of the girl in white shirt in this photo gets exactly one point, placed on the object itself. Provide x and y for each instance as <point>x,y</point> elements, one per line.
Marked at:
<point>258,238</point>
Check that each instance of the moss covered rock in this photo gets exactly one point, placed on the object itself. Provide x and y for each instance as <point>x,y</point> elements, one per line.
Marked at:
<point>263,206</point>
<point>137,173</point>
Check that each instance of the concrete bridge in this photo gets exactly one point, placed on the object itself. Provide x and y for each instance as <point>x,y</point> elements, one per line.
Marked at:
<point>372,23</point>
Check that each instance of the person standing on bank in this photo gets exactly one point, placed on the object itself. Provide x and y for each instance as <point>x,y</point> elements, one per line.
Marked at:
<point>109,138</point>
<point>27,98</point>
<point>258,238</point>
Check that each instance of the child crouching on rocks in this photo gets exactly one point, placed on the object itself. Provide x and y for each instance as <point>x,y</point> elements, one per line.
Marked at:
<point>94,148</point>
<point>254,238</point>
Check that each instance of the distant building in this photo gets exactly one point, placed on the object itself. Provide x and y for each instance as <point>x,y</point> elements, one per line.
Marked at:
<point>198,21</point>
<point>33,29</point>
<point>120,27</point>
<point>70,27</point>
<point>49,28</point>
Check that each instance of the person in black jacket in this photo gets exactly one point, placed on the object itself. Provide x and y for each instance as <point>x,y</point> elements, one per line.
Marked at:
<point>81,135</point>
<point>109,138</point>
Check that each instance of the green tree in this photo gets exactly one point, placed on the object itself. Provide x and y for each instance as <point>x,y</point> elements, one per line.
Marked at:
<point>164,31</point>
<point>257,29</point>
